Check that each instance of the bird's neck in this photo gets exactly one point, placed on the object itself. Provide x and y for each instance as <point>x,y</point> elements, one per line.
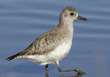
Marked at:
<point>66,25</point>
<point>66,28</point>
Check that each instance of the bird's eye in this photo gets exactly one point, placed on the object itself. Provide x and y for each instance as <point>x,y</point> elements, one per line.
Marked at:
<point>71,14</point>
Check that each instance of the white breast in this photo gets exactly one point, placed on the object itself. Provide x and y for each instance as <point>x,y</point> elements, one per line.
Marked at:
<point>61,51</point>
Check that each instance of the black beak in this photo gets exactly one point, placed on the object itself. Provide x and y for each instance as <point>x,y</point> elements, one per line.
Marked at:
<point>82,18</point>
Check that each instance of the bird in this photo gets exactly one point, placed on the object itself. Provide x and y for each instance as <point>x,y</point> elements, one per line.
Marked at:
<point>53,45</point>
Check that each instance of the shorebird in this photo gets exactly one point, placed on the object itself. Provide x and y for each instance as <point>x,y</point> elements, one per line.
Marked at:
<point>53,45</point>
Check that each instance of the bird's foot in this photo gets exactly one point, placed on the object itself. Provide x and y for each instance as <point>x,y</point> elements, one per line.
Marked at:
<point>79,71</point>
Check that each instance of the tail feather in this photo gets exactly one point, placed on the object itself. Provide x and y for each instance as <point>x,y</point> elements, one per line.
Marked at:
<point>12,57</point>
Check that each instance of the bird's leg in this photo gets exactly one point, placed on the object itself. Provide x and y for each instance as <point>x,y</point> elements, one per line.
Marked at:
<point>76,70</point>
<point>46,70</point>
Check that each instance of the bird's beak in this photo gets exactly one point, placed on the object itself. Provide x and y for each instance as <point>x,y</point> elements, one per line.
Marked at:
<point>82,18</point>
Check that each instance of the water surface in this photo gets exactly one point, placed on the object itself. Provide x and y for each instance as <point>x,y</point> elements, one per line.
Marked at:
<point>21,22</point>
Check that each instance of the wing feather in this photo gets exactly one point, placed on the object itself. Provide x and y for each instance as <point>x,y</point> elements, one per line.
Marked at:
<point>44,44</point>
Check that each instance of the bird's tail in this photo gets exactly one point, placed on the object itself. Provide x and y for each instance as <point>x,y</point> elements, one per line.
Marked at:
<point>12,57</point>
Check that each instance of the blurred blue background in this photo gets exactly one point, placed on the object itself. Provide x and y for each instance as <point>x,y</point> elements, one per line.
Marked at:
<point>22,21</point>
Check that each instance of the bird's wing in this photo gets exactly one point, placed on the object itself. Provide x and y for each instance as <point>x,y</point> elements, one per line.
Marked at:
<point>44,44</point>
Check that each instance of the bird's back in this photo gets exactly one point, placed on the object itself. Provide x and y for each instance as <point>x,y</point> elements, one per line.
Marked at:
<point>45,43</point>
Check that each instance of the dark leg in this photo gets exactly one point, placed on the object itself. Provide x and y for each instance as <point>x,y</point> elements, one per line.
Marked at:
<point>46,70</point>
<point>76,70</point>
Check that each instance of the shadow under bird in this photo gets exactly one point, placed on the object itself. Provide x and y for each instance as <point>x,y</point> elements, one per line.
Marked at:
<point>53,45</point>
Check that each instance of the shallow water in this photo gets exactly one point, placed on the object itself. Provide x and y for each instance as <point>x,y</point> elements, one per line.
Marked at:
<point>21,22</point>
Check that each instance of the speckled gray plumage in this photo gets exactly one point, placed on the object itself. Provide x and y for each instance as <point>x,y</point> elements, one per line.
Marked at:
<point>47,42</point>
<point>51,39</point>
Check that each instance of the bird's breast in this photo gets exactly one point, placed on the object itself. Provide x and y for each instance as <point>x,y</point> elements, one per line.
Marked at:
<point>60,51</point>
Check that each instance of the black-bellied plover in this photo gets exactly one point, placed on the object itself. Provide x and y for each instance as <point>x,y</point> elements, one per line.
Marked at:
<point>53,45</point>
